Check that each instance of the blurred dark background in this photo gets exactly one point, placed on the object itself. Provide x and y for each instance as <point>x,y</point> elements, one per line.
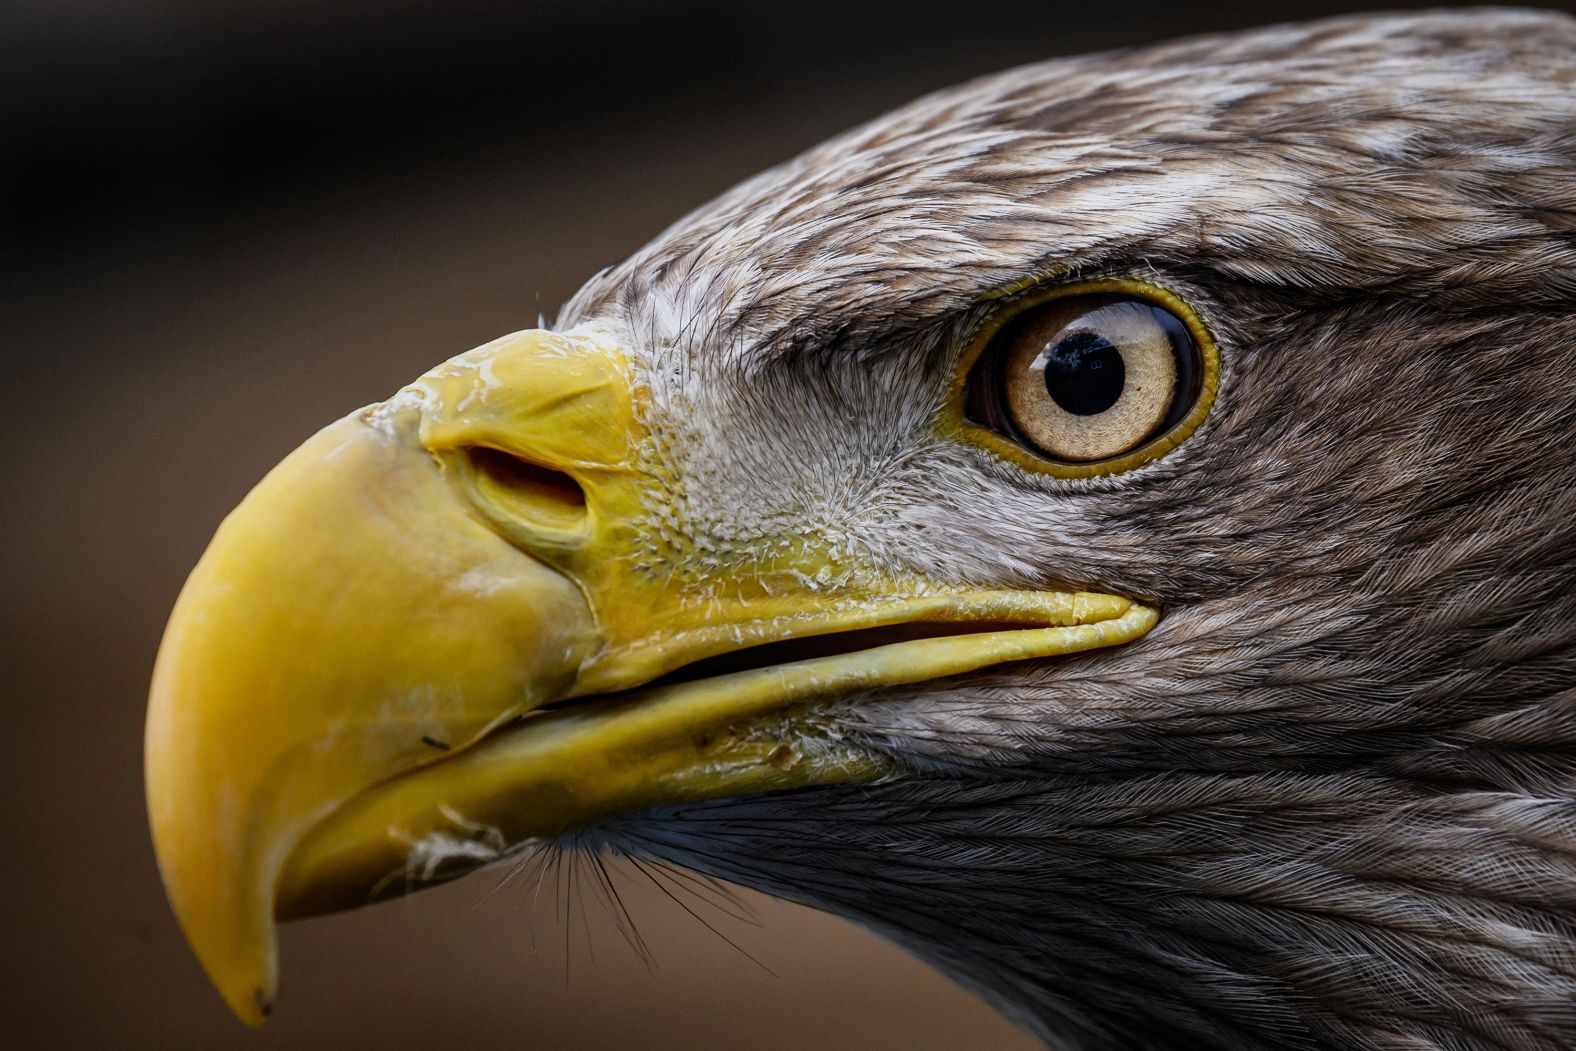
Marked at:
<point>224,224</point>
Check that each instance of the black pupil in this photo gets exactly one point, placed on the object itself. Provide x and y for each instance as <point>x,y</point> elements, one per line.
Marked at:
<point>1085,374</point>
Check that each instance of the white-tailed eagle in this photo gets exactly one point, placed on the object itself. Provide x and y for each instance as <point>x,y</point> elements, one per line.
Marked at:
<point>1109,527</point>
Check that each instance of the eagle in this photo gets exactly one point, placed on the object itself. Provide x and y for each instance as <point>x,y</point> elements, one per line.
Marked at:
<point>1109,528</point>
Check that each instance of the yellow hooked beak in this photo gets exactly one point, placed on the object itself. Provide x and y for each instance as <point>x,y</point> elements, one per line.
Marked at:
<point>365,683</point>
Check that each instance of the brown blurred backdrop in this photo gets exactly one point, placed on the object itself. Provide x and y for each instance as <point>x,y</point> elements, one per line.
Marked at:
<point>225,224</point>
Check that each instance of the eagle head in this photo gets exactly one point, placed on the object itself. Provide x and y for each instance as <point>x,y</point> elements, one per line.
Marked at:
<point>1109,527</point>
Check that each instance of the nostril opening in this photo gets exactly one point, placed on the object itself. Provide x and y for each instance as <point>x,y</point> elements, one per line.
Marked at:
<point>540,484</point>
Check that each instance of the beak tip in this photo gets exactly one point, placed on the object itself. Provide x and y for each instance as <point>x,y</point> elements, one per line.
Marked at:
<point>254,1012</point>
<point>250,1000</point>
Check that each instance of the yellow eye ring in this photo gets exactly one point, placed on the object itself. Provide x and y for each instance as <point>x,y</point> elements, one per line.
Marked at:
<point>957,420</point>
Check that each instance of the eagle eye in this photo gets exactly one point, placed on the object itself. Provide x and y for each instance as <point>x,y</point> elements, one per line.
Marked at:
<point>1092,380</point>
